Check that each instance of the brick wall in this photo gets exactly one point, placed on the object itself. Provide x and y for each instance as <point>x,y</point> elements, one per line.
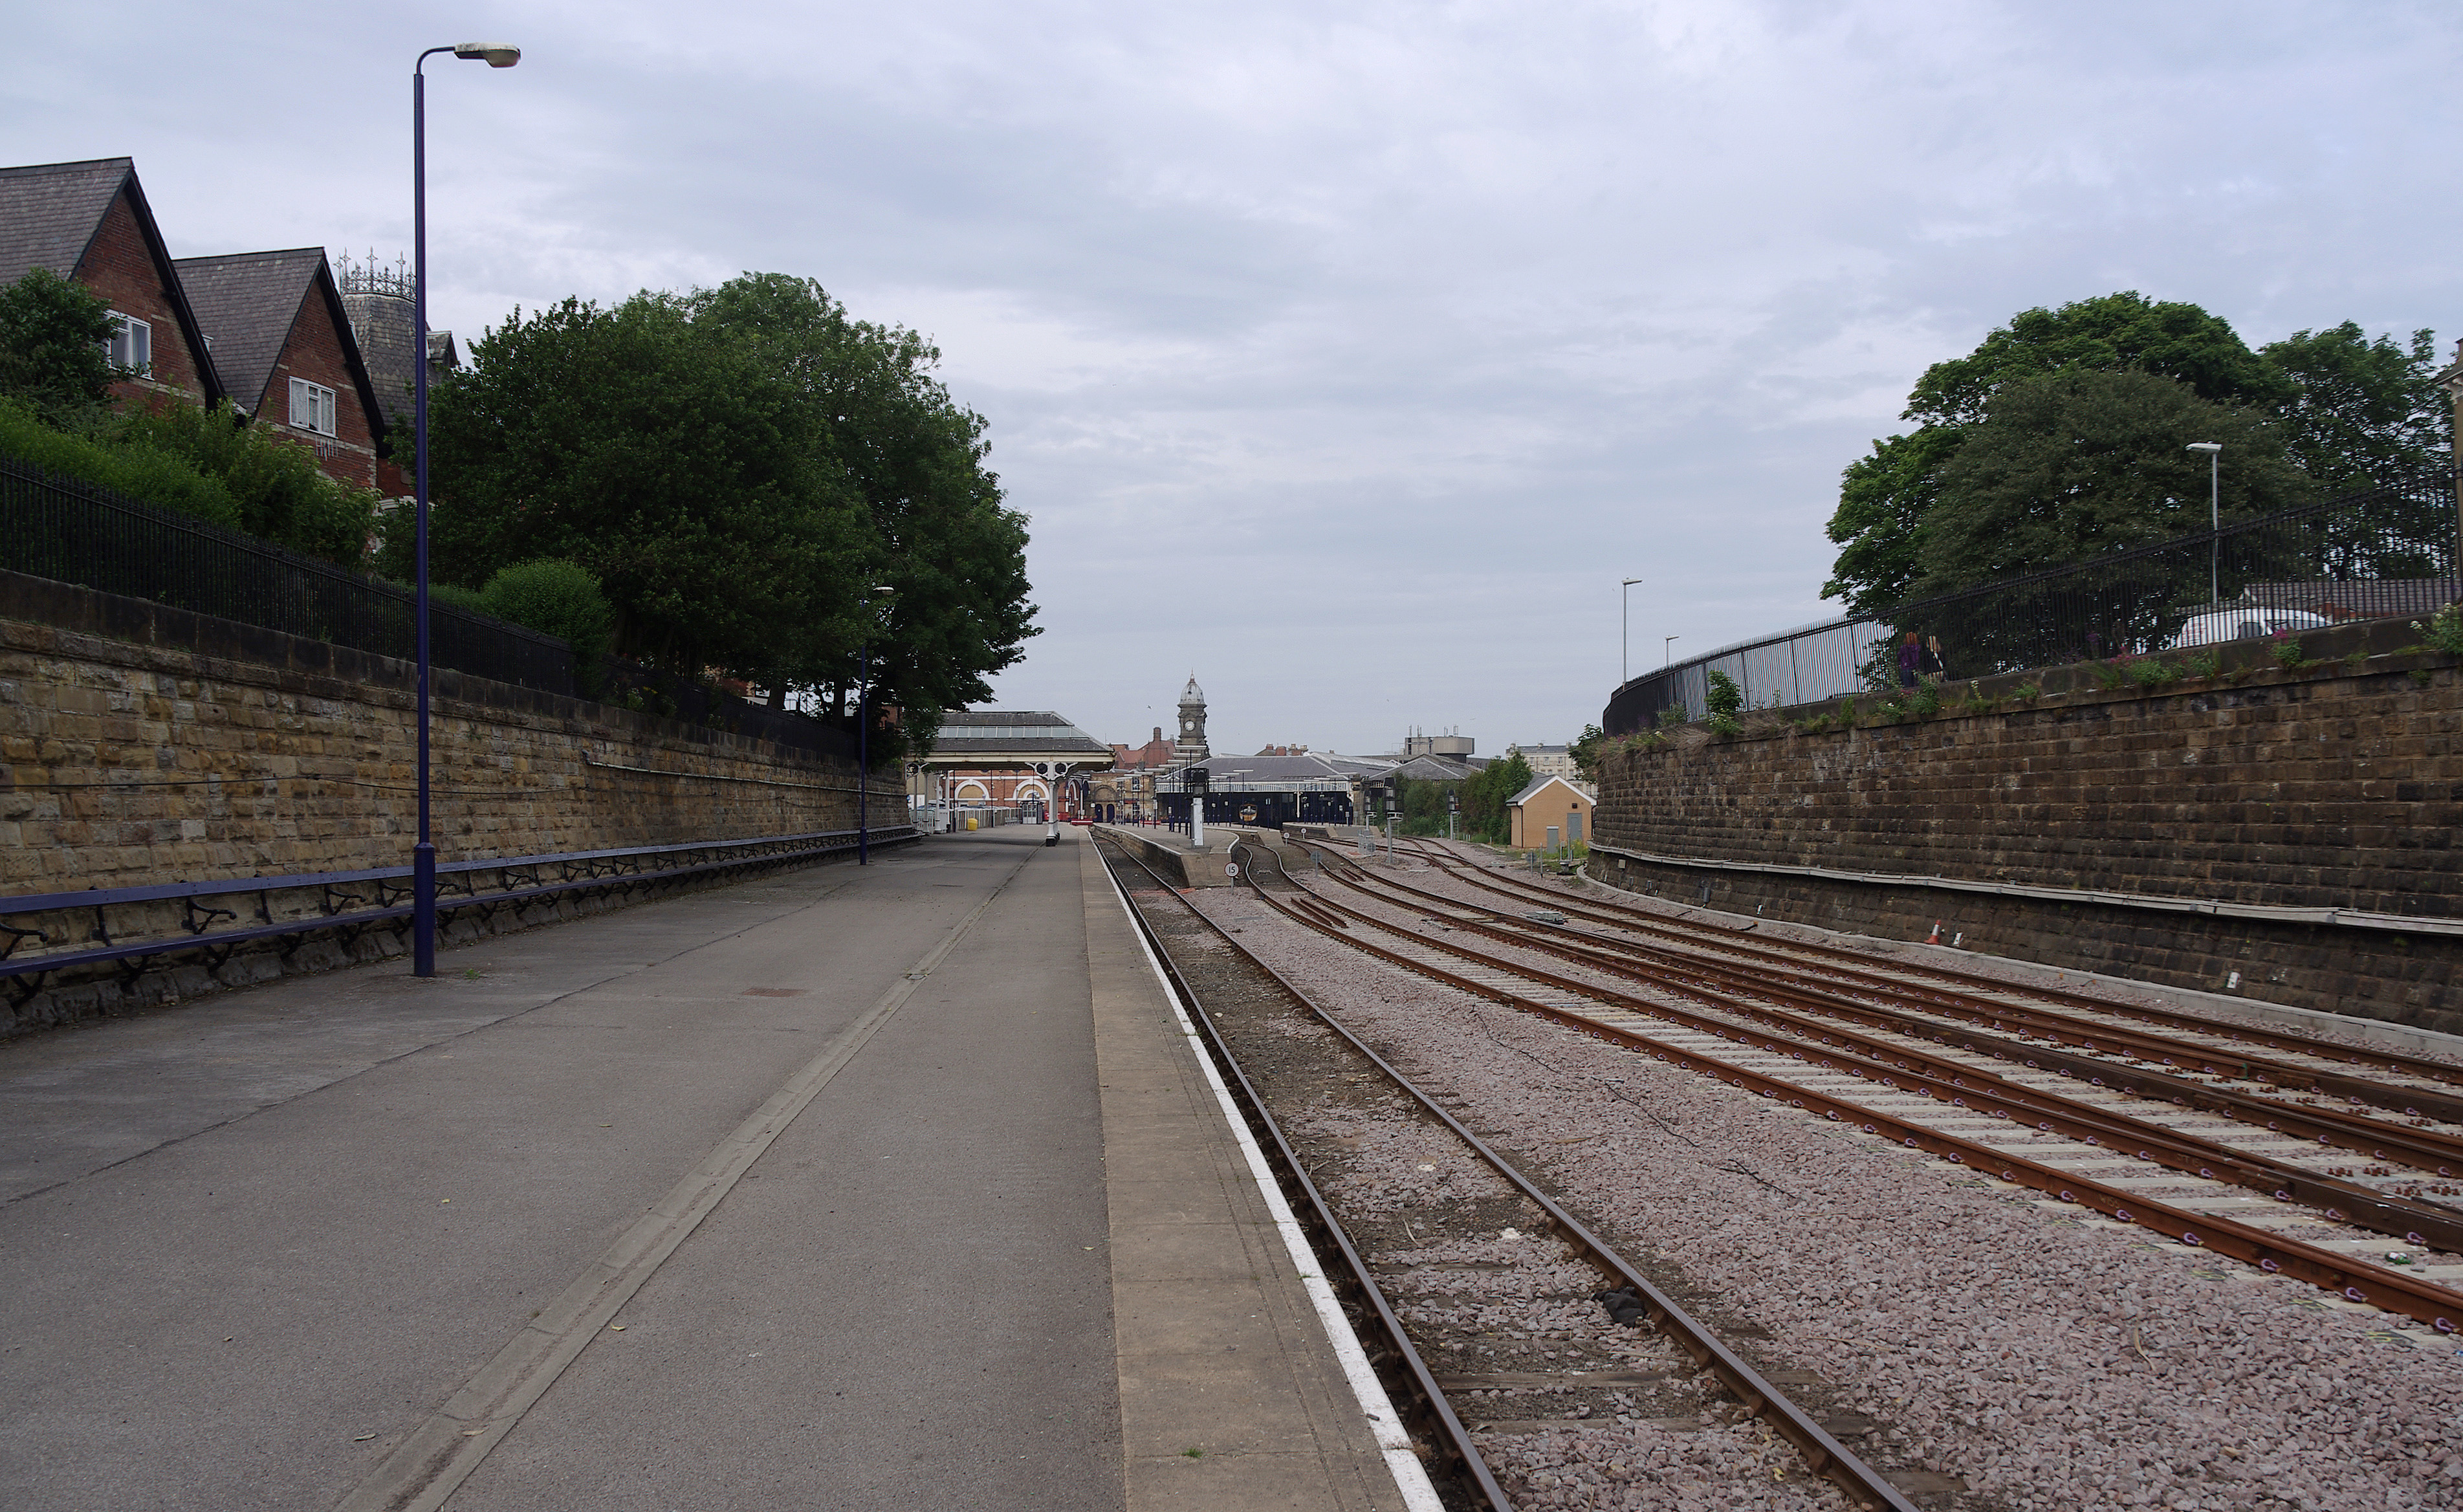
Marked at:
<point>118,267</point>
<point>2338,786</point>
<point>141,744</point>
<point>314,351</point>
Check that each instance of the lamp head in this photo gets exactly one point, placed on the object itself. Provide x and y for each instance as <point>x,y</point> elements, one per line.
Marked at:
<point>2204,445</point>
<point>497,54</point>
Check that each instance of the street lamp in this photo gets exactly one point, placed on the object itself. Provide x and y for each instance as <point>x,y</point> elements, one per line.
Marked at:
<point>1625,633</point>
<point>423,855</point>
<point>1667,650</point>
<point>2215,450</point>
<point>863,740</point>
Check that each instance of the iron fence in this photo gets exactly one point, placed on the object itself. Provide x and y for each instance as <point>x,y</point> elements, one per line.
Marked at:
<point>71,531</point>
<point>2380,552</point>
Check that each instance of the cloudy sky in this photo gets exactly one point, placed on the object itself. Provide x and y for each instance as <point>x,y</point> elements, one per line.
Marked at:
<point>1347,355</point>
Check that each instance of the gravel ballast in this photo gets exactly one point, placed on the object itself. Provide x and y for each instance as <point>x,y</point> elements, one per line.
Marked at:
<point>1997,1340</point>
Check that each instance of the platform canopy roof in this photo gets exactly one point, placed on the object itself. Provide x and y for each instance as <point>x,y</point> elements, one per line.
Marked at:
<point>993,739</point>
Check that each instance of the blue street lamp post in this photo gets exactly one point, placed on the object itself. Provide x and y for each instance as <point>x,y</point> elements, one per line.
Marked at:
<point>422,856</point>
<point>863,748</point>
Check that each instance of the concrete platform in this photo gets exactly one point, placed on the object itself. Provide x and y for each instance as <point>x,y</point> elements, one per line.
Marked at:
<point>889,1186</point>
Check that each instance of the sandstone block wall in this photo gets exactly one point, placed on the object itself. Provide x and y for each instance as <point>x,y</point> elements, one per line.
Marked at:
<point>2338,786</point>
<point>142,745</point>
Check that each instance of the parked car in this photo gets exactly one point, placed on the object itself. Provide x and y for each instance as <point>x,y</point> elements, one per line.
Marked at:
<point>2243,623</point>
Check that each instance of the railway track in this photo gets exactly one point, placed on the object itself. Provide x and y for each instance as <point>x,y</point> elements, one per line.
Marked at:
<point>1495,1314</point>
<point>2277,1155</point>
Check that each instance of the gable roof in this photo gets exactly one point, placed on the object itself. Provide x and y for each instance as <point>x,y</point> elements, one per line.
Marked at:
<point>50,213</point>
<point>250,302</point>
<point>1536,783</point>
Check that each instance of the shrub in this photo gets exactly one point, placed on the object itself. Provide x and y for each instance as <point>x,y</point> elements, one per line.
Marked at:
<point>1723,697</point>
<point>2026,692</point>
<point>557,598</point>
<point>2151,671</point>
<point>2208,663</point>
<point>2445,629</point>
<point>283,496</point>
<point>2286,650</point>
<point>1926,702</point>
<point>1671,717</point>
<point>138,471</point>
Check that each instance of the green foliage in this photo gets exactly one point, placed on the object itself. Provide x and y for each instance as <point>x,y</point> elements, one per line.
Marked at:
<point>739,468</point>
<point>1424,805</point>
<point>2081,462</point>
<point>2152,672</point>
<point>2206,664</point>
<point>1484,815</point>
<point>560,599</point>
<point>139,471</point>
<point>1926,701</point>
<point>1723,699</point>
<point>2365,411</point>
<point>2445,629</point>
<point>2286,652</point>
<point>2352,411</point>
<point>1878,527</point>
<point>52,358</point>
<point>2122,332</point>
<point>1587,749</point>
<point>2026,692</point>
<point>283,496</point>
<point>1669,717</point>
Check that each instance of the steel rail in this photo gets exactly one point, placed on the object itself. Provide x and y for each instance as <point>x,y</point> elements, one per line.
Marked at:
<point>1972,990</point>
<point>2425,1224</point>
<point>1425,1400</point>
<point>2428,1150</point>
<point>2439,1306</point>
<point>2435,1151</point>
<point>1824,1454</point>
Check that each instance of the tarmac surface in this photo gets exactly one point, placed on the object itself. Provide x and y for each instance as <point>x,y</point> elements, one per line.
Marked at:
<point>891,1187</point>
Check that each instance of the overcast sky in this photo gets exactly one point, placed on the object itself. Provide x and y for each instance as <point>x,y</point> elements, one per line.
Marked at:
<point>1345,354</point>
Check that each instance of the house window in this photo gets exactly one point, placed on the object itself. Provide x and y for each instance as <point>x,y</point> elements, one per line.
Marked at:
<point>131,345</point>
<point>312,406</point>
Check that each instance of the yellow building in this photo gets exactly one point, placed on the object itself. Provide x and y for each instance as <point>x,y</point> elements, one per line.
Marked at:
<point>1549,802</point>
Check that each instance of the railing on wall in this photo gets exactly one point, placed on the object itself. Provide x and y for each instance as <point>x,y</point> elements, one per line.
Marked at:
<point>2376,553</point>
<point>69,531</point>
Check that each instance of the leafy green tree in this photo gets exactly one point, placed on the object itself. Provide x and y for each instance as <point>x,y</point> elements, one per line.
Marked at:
<point>1424,804</point>
<point>1887,498</point>
<point>1484,798</point>
<point>55,340</point>
<point>740,468</point>
<point>560,599</point>
<point>2075,463</point>
<point>2364,411</point>
<point>1586,750</point>
<point>283,496</point>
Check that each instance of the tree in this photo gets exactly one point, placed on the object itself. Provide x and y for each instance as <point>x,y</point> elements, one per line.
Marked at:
<point>55,344</point>
<point>2079,462</point>
<point>1485,795</point>
<point>1886,498</point>
<point>741,468</point>
<point>1586,750</point>
<point>2365,411</point>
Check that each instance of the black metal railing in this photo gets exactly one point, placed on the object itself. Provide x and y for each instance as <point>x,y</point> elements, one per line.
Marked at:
<point>2377,553</point>
<point>71,531</point>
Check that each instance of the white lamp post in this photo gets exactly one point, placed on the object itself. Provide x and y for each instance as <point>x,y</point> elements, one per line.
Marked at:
<point>1625,633</point>
<point>2215,450</point>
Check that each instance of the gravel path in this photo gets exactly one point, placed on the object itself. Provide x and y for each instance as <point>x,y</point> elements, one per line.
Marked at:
<point>2044,1361</point>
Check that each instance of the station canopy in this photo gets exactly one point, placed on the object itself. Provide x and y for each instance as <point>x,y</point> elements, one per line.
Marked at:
<point>996,740</point>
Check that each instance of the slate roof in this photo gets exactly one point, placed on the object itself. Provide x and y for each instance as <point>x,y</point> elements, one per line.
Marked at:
<point>249,303</point>
<point>993,732</point>
<point>1536,783</point>
<point>49,215</point>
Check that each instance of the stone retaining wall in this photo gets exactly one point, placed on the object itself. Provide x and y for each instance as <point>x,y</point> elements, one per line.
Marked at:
<point>141,744</point>
<point>2336,785</point>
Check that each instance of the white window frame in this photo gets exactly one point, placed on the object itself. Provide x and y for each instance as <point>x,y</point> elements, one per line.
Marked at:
<point>312,407</point>
<point>131,345</point>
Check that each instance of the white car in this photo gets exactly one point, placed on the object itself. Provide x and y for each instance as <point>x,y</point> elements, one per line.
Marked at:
<point>2243,623</point>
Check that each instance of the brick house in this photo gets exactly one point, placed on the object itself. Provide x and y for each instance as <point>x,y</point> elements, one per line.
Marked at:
<point>287,353</point>
<point>1549,802</point>
<point>89,223</point>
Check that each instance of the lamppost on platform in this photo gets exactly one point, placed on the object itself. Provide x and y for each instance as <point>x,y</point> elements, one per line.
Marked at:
<point>423,855</point>
<point>864,740</point>
<point>1625,633</point>
<point>2215,450</point>
<point>1667,650</point>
